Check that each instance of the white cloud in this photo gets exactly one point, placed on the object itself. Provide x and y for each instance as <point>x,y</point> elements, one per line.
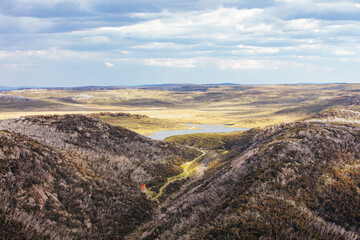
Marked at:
<point>109,64</point>
<point>3,54</point>
<point>189,39</point>
<point>295,7</point>
<point>224,29</point>
<point>213,31</point>
<point>171,62</point>
<point>162,45</point>
<point>257,50</point>
<point>96,39</point>
<point>151,15</point>
<point>342,52</point>
<point>302,24</point>
<point>24,24</point>
<point>257,64</point>
<point>124,52</point>
<point>210,24</point>
<point>84,5</point>
<point>219,62</point>
<point>235,64</point>
<point>52,53</point>
<point>27,24</point>
<point>19,66</point>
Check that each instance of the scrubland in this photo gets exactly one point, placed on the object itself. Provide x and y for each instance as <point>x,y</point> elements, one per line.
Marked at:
<point>78,176</point>
<point>238,105</point>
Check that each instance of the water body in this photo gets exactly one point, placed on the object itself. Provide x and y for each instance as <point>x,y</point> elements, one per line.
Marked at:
<point>202,128</point>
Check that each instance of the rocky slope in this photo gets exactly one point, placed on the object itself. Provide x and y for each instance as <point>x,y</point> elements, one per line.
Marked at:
<point>75,177</point>
<point>294,181</point>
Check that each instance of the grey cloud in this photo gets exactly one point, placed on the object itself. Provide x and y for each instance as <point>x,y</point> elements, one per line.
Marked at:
<point>182,29</point>
<point>324,10</point>
<point>68,8</point>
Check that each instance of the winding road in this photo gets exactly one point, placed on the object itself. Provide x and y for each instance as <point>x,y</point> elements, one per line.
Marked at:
<point>181,176</point>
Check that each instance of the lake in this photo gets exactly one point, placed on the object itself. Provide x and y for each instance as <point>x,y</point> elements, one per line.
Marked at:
<point>201,128</point>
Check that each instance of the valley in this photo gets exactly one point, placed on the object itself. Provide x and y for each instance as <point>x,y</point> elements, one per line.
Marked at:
<point>179,177</point>
<point>75,167</point>
<point>179,120</point>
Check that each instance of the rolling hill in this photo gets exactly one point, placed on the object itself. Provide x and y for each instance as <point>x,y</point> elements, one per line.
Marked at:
<point>73,176</point>
<point>293,181</point>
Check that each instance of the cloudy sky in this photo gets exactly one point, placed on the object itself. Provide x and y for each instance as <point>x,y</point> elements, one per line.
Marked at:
<point>133,42</point>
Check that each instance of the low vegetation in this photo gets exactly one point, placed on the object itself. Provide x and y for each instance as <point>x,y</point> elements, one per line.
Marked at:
<point>293,181</point>
<point>172,106</point>
<point>138,123</point>
<point>213,141</point>
<point>10,102</point>
<point>73,176</point>
<point>79,176</point>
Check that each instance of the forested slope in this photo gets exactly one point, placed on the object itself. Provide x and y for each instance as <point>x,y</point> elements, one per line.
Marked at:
<point>66,177</point>
<point>294,181</point>
<point>75,177</point>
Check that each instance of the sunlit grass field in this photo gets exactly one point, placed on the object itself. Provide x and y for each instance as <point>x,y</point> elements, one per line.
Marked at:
<point>236,105</point>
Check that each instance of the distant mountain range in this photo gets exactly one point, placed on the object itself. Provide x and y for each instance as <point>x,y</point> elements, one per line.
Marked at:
<point>167,87</point>
<point>4,88</point>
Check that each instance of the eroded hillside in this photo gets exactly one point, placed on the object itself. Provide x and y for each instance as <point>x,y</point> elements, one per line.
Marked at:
<point>71,177</point>
<point>294,181</point>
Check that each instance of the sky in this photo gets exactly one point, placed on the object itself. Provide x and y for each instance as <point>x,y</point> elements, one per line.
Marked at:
<point>65,43</point>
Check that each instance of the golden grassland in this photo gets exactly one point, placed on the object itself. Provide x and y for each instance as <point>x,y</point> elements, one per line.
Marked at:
<point>139,123</point>
<point>237,105</point>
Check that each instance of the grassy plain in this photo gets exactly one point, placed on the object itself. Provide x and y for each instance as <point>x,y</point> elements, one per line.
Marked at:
<point>237,105</point>
<point>139,123</point>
